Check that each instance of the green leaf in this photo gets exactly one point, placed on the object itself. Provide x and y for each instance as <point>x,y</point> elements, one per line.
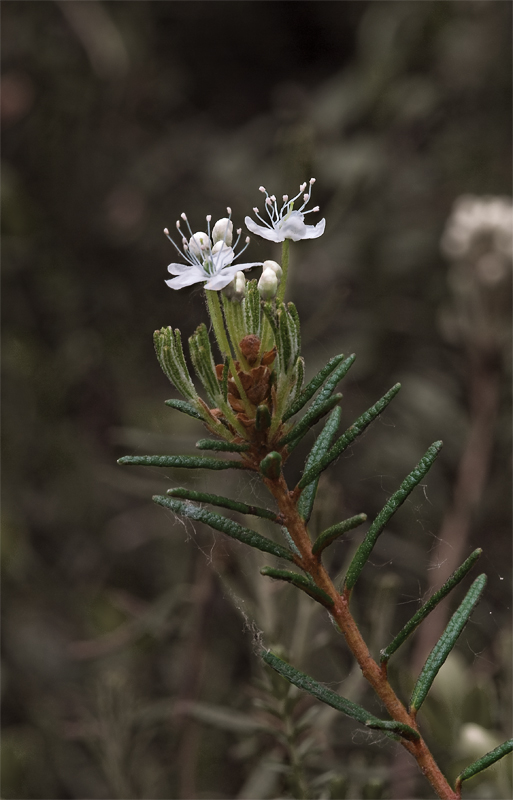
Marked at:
<point>251,309</point>
<point>168,348</point>
<point>484,762</point>
<point>388,510</point>
<point>311,387</point>
<point>391,726</point>
<point>312,416</point>
<point>224,447</point>
<point>270,466</point>
<point>227,526</point>
<point>433,601</point>
<point>204,365</point>
<point>349,436</point>
<point>308,684</point>
<point>182,462</point>
<point>321,445</point>
<point>446,642</point>
<point>224,502</point>
<point>185,408</point>
<point>332,382</point>
<point>330,534</point>
<point>301,582</point>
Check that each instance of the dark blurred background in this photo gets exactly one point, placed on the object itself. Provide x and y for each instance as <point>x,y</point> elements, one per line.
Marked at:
<point>129,667</point>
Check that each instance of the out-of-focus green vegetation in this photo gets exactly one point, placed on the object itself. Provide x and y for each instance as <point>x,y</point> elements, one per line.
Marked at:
<point>128,662</point>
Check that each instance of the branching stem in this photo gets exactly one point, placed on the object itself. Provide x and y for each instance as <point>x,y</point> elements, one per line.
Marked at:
<point>342,615</point>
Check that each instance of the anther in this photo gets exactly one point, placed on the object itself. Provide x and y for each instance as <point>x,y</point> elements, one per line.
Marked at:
<point>303,187</point>
<point>228,209</point>
<point>261,189</point>
<point>273,198</point>
<point>256,210</point>
<point>166,231</point>
<point>183,216</point>
<point>239,231</point>
<point>312,180</point>
<point>209,217</point>
<point>316,208</point>
<point>305,197</point>
<point>247,240</point>
<point>268,201</point>
<point>285,198</point>
<point>178,224</point>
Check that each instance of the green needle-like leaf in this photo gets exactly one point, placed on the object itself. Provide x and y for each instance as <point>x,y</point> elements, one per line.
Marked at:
<point>388,510</point>
<point>312,416</point>
<point>185,408</point>
<point>224,447</point>
<point>227,526</point>
<point>433,601</point>
<point>311,387</point>
<point>446,642</point>
<point>182,462</point>
<point>329,387</point>
<point>484,762</point>
<point>322,443</point>
<point>391,726</point>
<point>330,534</point>
<point>223,502</point>
<point>308,684</point>
<point>301,582</point>
<point>349,436</point>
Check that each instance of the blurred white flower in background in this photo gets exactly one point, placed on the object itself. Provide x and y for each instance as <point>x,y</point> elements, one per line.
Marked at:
<point>480,229</point>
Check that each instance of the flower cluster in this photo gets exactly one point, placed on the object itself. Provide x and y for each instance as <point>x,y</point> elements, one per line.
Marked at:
<point>210,256</point>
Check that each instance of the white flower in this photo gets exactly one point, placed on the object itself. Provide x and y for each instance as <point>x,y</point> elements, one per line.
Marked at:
<point>268,284</point>
<point>209,257</point>
<point>286,223</point>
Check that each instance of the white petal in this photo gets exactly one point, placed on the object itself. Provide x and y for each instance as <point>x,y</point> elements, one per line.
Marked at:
<point>266,233</point>
<point>225,276</point>
<point>314,231</point>
<point>178,269</point>
<point>194,275</point>
<point>222,258</point>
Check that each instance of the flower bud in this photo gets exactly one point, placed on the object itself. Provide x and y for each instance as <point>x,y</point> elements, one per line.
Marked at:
<point>236,290</point>
<point>275,268</point>
<point>199,243</point>
<point>223,231</point>
<point>268,284</point>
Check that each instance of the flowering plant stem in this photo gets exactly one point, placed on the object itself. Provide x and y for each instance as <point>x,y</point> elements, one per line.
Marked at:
<point>376,676</point>
<point>285,268</point>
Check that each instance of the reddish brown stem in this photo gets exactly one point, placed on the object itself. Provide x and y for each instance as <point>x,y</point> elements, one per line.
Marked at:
<point>343,617</point>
